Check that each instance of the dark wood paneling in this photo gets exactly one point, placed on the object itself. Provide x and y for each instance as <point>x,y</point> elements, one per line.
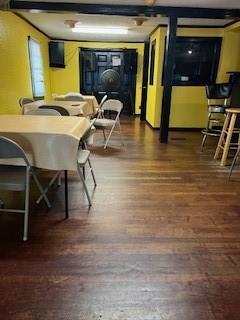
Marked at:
<point>128,10</point>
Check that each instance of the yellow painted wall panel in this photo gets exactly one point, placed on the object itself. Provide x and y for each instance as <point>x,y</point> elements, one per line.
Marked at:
<point>155,91</point>
<point>15,76</point>
<point>67,79</point>
<point>189,104</point>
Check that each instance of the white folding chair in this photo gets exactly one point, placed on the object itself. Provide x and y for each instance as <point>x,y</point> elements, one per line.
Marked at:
<point>113,106</point>
<point>23,101</point>
<point>48,111</point>
<point>84,158</point>
<point>17,177</point>
<point>43,112</point>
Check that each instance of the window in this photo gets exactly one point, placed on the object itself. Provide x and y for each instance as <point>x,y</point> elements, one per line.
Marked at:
<point>196,60</point>
<point>152,62</point>
<point>36,67</point>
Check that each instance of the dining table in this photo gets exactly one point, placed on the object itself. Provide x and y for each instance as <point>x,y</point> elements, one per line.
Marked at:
<point>74,108</point>
<point>50,143</point>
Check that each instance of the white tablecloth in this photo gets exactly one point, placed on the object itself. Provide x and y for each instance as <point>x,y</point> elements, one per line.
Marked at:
<point>75,108</point>
<point>91,101</point>
<point>51,142</point>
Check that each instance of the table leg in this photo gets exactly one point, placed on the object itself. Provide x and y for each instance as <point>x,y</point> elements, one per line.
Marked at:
<point>66,193</point>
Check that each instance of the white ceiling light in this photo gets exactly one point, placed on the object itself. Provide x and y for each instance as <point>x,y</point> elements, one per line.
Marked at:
<point>100,30</point>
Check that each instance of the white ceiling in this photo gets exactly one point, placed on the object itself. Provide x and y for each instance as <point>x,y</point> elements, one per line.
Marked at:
<point>53,25</point>
<point>228,4</point>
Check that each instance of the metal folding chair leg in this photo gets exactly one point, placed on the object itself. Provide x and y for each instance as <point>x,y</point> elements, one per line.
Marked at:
<point>120,130</point>
<point>104,135</point>
<point>59,182</point>
<point>57,176</point>
<point>233,164</point>
<point>203,142</point>
<point>109,136</point>
<point>84,185</point>
<point>92,173</point>
<point>41,190</point>
<point>26,210</point>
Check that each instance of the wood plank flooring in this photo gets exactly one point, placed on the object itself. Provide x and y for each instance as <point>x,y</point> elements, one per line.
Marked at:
<point>161,241</point>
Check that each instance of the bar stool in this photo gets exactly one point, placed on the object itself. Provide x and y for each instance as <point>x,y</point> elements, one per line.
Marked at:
<point>218,96</point>
<point>225,139</point>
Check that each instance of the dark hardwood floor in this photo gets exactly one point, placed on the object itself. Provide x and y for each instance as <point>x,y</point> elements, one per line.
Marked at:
<point>161,241</point>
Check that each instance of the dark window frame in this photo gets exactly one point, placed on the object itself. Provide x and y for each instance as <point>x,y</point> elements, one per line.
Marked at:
<point>217,41</point>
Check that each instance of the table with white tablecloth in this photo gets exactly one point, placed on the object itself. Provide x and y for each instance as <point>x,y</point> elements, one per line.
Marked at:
<point>52,142</point>
<point>91,101</point>
<point>75,108</point>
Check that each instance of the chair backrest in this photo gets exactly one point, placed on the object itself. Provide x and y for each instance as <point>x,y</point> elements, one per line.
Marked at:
<point>25,100</point>
<point>73,96</point>
<point>11,150</point>
<point>112,105</point>
<point>88,132</point>
<point>59,109</point>
<point>43,112</point>
<point>219,90</point>
<point>103,100</point>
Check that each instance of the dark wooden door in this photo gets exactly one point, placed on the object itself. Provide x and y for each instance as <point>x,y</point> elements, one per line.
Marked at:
<point>145,82</point>
<point>93,62</point>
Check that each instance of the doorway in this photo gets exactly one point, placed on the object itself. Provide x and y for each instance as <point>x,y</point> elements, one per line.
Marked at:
<point>93,62</point>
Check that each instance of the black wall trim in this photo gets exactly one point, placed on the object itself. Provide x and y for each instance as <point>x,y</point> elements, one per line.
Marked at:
<point>155,29</point>
<point>185,129</point>
<point>127,10</point>
<point>193,27</point>
<point>176,129</point>
<point>145,81</point>
<point>231,23</point>
<point>101,41</point>
<point>168,77</point>
<point>149,125</point>
<point>32,25</point>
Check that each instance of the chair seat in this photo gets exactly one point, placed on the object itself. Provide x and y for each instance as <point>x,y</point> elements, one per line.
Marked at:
<point>12,178</point>
<point>211,132</point>
<point>17,161</point>
<point>103,123</point>
<point>216,108</point>
<point>83,156</point>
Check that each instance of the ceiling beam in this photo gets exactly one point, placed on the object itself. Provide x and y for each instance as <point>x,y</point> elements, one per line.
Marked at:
<point>126,10</point>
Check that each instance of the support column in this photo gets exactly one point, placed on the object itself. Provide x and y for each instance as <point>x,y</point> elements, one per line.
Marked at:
<point>168,77</point>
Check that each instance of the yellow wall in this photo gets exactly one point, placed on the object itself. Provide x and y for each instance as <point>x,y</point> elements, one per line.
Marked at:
<point>155,91</point>
<point>188,103</point>
<point>15,77</point>
<point>188,108</point>
<point>67,80</point>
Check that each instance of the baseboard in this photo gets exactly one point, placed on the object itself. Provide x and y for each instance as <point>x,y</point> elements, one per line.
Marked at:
<point>176,128</point>
<point>149,124</point>
<point>185,129</point>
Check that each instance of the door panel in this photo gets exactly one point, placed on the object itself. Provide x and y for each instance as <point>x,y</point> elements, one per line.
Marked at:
<point>94,62</point>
